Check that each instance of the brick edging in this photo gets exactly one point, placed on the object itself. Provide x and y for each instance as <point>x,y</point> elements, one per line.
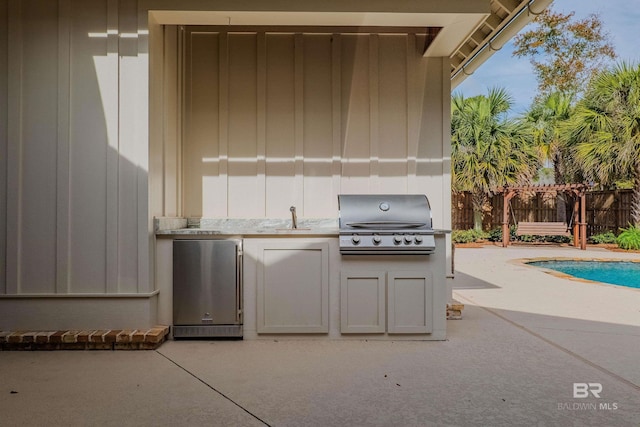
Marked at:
<point>102,339</point>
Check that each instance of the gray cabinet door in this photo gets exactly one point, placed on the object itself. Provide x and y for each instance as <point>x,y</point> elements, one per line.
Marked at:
<point>292,287</point>
<point>362,302</point>
<point>409,302</point>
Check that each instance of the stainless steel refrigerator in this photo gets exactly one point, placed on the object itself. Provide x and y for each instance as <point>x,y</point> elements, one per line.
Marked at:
<point>207,288</point>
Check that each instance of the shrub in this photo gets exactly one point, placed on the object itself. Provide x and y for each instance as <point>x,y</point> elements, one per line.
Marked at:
<point>629,238</point>
<point>467,236</point>
<point>527,238</point>
<point>495,235</point>
<point>607,237</point>
<point>557,239</point>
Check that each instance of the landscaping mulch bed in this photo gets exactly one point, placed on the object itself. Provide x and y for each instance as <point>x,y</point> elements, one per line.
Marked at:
<point>609,246</point>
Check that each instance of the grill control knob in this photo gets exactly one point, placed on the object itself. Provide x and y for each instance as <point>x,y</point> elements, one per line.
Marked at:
<point>355,240</point>
<point>407,240</point>
<point>418,239</point>
<point>397,239</point>
<point>377,240</point>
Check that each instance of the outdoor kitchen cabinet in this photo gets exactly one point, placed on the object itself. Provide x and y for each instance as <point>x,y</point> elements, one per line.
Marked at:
<point>291,283</point>
<point>409,300</point>
<point>362,302</point>
<point>396,302</point>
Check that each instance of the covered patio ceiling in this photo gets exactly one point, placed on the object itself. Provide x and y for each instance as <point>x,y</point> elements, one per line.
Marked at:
<point>467,31</point>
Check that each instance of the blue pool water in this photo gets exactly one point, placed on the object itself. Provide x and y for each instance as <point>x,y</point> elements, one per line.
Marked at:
<point>621,273</point>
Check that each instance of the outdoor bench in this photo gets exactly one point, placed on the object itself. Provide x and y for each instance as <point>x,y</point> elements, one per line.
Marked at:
<point>542,229</point>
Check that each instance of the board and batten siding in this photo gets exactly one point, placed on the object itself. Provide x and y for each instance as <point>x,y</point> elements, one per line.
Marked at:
<point>274,119</point>
<point>73,159</point>
<point>289,119</point>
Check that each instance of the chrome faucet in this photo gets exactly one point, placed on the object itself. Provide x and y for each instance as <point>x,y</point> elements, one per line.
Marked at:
<point>294,218</point>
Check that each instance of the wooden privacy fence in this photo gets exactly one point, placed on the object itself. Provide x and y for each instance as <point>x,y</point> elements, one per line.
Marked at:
<point>607,210</point>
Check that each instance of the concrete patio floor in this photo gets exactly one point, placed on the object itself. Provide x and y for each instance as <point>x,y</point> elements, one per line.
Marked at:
<point>525,339</point>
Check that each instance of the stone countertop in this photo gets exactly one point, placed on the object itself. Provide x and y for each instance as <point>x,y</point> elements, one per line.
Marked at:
<point>259,227</point>
<point>317,232</point>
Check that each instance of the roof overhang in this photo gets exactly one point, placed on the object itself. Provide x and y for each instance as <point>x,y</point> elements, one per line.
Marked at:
<point>507,18</point>
<point>465,21</point>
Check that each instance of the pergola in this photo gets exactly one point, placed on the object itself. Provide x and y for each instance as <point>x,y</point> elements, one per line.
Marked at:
<point>579,208</point>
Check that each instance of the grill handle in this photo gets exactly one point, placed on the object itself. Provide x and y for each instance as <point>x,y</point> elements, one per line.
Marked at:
<point>386,224</point>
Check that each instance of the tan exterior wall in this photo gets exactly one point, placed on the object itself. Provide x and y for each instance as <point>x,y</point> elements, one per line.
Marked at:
<point>279,119</point>
<point>76,148</point>
<point>90,140</point>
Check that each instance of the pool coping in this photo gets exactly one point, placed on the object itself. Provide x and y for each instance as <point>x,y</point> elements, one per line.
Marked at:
<point>525,262</point>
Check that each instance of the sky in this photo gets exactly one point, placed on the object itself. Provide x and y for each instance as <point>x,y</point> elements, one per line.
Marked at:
<point>502,69</point>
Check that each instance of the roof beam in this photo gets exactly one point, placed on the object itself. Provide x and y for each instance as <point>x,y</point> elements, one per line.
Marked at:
<point>508,5</point>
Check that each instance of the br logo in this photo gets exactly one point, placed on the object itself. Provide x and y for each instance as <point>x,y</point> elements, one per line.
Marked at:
<point>583,390</point>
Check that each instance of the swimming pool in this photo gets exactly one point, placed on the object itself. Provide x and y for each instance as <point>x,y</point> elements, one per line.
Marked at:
<point>622,273</point>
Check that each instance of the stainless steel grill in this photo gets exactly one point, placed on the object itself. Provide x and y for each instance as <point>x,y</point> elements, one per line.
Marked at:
<point>385,224</point>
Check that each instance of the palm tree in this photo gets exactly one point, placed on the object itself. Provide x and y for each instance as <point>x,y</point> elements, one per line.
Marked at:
<point>604,132</point>
<point>489,150</point>
<point>546,116</point>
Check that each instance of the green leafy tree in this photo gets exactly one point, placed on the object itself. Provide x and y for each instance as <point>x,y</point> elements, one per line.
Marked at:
<point>489,150</point>
<point>565,52</point>
<point>604,131</point>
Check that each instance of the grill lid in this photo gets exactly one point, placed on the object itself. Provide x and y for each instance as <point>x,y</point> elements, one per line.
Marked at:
<point>361,212</point>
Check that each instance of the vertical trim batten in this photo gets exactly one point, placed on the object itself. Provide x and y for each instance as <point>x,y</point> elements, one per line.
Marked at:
<point>14,148</point>
<point>336,91</point>
<point>298,185</point>
<point>186,108</point>
<point>132,152</point>
<point>261,119</point>
<point>146,240</point>
<point>144,109</point>
<point>223,128</point>
<point>413,109</point>
<point>171,158</point>
<point>446,146</point>
<point>63,166</point>
<point>407,96</point>
<point>374,112</point>
<point>166,126</point>
<point>153,197</point>
<point>4,7</point>
<point>112,150</point>
<point>179,121</point>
